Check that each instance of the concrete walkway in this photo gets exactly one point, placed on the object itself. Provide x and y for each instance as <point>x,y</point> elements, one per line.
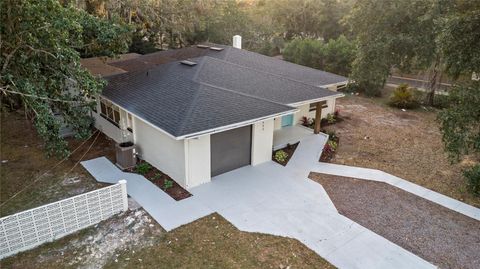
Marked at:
<point>273,199</point>
<point>377,175</point>
<point>169,213</point>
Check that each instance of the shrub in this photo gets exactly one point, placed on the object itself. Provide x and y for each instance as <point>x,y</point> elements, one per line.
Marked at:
<point>167,184</point>
<point>331,118</point>
<point>327,153</point>
<point>281,156</point>
<point>307,122</point>
<point>403,97</point>
<point>332,144</point>
<point>472,176</point>
<point>441,101</point>
<point>143,168</point>
<point>336,114</point>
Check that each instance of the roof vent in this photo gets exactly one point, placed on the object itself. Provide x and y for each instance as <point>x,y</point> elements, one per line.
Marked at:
<point>189,63</point>
<point>216,48</point>
<point>202,46</point>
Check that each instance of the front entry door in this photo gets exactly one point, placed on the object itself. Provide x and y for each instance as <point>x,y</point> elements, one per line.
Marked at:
<point>287,120</point>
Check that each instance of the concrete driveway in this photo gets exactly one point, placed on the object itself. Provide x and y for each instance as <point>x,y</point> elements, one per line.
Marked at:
<point>282,201</point>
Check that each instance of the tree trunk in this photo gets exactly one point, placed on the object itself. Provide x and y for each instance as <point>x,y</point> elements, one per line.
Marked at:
<point>433,83</point>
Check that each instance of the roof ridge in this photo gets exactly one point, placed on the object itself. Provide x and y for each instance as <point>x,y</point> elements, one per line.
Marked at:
<point>241,93</point>
<point>189,111</point>
<point>269,73</point>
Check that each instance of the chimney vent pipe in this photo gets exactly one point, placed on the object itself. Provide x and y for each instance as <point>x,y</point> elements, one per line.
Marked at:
<point>237,41</point>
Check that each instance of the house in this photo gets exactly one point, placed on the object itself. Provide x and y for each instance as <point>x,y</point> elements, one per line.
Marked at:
<point>204,110</point>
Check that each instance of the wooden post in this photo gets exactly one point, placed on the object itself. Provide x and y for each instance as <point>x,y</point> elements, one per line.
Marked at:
<point>318,116</point>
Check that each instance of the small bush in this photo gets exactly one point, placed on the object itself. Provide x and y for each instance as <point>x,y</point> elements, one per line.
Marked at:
<point>167,184</point>
<point>473,179</point>
<point>331,118</point>
<point>336,114</point>
<point>403,97</point>
<point>333,145</point>
<point>281,156</point>
<point>143,168</point>
<point>307,122</point>
<point>441,101</point>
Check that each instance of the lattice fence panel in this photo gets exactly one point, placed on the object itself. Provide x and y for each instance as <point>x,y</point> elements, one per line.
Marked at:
<point>30,228</point>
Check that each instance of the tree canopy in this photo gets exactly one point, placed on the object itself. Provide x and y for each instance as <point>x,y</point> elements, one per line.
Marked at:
<point>41,43</point>
<point>391,33</point>
<point>334,56</point>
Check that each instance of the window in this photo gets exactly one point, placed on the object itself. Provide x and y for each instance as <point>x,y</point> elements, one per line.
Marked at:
<point>313,107</point>
<point>110,112</point>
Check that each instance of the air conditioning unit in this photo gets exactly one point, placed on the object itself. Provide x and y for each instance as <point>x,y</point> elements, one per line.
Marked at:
<point>125,153</point>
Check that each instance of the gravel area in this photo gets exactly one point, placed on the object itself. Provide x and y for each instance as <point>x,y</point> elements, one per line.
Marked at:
<point>444,237</point>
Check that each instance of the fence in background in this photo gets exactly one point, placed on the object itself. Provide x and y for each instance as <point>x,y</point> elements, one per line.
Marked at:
<point>33,227</point>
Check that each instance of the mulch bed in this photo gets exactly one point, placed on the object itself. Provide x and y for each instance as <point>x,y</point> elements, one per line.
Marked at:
<point>437,234</point>
<point>289,149</point>
<point>158,178</point>
<point>327,153</point>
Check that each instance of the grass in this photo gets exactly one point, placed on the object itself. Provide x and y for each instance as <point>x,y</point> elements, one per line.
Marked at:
<point>212,242</point>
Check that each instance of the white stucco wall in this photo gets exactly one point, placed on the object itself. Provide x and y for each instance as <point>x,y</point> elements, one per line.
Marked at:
<point>277,123</point>
<point>160,150</point>
<point>107,128</point>
<point>197,161</point>
<point>262,141</point>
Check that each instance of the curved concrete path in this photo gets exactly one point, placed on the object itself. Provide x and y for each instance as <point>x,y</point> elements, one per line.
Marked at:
<point>273,199</point>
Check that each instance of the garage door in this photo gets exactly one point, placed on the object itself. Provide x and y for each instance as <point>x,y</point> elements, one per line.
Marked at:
<point>230,150</point>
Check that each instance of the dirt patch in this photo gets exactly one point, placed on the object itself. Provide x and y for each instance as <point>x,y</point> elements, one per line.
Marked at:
<point>94,246</point>
<point>24,161</point>
<point>407,144</point>
<point>289,149</point>
<point>437,234</point>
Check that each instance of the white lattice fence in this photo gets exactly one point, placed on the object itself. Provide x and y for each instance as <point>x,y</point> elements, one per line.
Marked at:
<point>30,228</point>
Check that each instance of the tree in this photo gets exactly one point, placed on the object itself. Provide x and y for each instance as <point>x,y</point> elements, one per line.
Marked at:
<point>460,122</point>
<point>339,55</point>
<point>310,18</point>
<point>335,56</point>
<point>393,33</point>
<point>41,43</point>
<point>459,38</point>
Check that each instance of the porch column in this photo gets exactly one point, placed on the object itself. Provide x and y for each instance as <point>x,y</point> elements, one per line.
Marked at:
<point>318,116</point>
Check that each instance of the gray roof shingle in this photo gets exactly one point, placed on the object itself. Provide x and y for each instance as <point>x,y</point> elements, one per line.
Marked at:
<point>184,107</point>
<point>222,89</point>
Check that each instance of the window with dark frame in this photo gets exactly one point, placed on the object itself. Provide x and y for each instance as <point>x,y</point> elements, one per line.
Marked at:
<point>110,112</point>
<point>313,107</point>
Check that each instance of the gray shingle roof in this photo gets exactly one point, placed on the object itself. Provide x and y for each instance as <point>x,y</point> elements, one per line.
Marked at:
<point>220,90</point>
<point>182,107</point>
<point>240,57</point>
